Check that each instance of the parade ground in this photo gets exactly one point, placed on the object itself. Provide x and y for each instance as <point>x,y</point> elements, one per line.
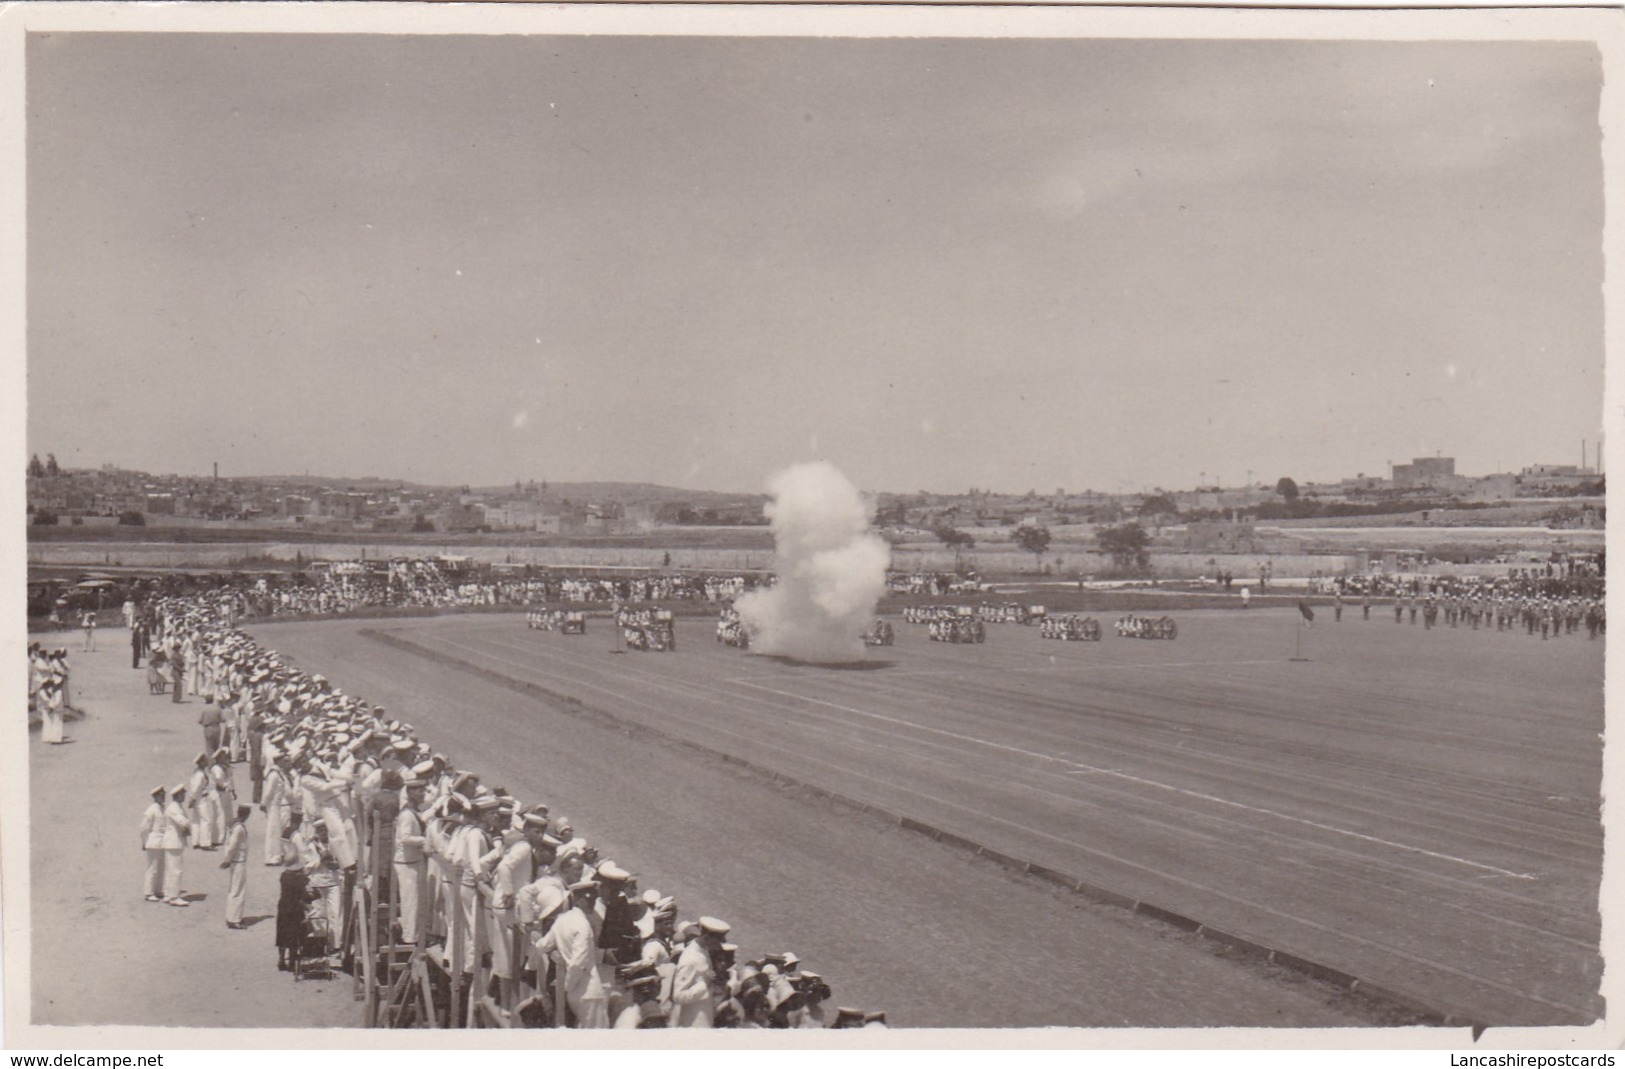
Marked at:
<point>934,935</point>
<point>1030,832</point>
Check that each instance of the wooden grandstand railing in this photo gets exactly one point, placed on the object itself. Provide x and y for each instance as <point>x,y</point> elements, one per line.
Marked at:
<point>413,984</point>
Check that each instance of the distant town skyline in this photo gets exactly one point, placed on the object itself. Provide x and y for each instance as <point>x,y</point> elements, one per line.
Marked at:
<point>1388,471</point>
<point>692,261</point>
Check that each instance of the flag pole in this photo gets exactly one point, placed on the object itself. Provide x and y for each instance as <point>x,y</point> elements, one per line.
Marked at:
<point>1297,637</point>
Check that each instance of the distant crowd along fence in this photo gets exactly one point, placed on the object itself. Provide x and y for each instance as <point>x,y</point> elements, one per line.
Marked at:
<point>233,555</point>
<point>1062,561</point>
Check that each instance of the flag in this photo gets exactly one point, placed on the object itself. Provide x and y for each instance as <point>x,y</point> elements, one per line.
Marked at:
<point>1308,613</point>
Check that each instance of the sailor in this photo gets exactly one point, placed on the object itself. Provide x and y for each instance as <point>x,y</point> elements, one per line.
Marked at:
<point>223,784</point>
<point>236,860</point>
<point>177,672</point>
<point>152,842</point>
<point>277,807</point>
<point>177,828</point>
<point>208,827</point>
<point>693,988</point>
<point>574,945</point>
<point>410,860</point>
<point>469,846</point>
<point>52,702</point>
<point>518,856</point>
<point>645,991</point>
<point>618,931</point>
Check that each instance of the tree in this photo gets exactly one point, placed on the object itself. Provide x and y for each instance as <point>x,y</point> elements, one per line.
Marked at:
<point>1126,546</point>
<point>959,540</point>
<point>893,515</point>
<point>36,470</point>
<point>1287,489</point>
<point>1159,507</point>
<point>1034,538</point>
<point>50,465</point>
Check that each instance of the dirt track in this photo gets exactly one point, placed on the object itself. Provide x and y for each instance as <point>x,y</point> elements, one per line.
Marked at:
<point>932,934</point>
<point>1417,809</point>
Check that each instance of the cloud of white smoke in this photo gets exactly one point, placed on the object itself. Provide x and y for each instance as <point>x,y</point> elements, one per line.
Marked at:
<point>831,569</point>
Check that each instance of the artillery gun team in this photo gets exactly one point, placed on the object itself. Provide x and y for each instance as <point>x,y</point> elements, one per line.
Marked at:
<point>560,620</point>
<point>647,629</point>
<point>731,629</point>
<point>1132,626</point>
<point>544,619</point>
<point>653,628</point>
<point>965,628</point>
<point>880,634</point>
<point>1070,628</point>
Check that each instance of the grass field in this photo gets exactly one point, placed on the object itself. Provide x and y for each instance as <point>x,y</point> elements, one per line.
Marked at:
<point>1420,809</point>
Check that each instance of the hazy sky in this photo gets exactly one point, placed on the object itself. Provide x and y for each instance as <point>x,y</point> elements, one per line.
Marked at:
<point>692,261</point>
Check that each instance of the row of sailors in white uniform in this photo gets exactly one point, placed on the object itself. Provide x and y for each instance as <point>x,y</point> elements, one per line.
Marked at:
<point>568,904</point>
<point>924,614</point>
<point>320,747</point>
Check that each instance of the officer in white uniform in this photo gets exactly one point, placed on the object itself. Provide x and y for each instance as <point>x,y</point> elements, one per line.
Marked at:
<point>152,841</point>
<point>177,828</point>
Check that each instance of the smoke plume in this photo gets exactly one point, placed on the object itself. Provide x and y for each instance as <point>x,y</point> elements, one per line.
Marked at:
<point>831,569</point>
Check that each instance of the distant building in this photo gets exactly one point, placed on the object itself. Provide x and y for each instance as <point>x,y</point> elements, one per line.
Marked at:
<point>1537,477</point>
<point>1361,484</point>
<point>1425,473</point>
<point>1493,488</point>
<point>343,505</point>
<point>462,518</point>
<point>519,515</point>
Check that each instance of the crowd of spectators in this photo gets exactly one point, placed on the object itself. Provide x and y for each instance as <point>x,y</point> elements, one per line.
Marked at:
<point>347,586</point>
<point>920,582</point>
<point>1576,577</point>
<point>329,770</point>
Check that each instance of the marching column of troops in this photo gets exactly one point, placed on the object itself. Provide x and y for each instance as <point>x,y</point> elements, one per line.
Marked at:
<point>326,768</point>
<point>1502,606</point>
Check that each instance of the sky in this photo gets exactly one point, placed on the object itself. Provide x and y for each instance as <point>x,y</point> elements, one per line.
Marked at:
<point>938,264</point>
